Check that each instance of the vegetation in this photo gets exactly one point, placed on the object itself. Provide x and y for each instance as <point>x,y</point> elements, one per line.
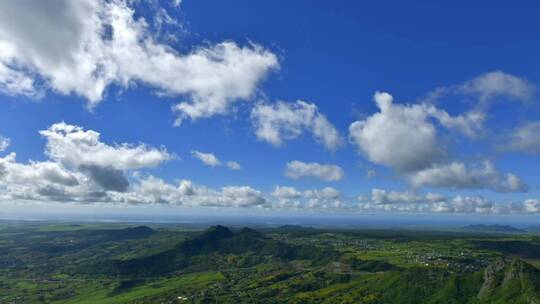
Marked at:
<point>120,263</point>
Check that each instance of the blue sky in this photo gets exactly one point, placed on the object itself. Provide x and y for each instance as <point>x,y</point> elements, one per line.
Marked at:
<point>224,78</point>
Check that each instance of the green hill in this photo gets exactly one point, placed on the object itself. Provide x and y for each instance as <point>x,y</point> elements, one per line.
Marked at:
<point>213,250</point>
<point>503,281</point>
<point>328,276</point>
<point>510,281</point>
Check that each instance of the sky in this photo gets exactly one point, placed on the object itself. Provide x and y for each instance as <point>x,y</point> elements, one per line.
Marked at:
<point>334,107</point>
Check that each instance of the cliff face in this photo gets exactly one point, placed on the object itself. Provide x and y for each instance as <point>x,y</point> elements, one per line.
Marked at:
<point>510,280</point>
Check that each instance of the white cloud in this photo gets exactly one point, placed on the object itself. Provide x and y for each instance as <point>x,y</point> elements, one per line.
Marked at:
<point>13,82</point>
<point>464,204</point>
<point>525,138</point>
<point>208,159</point>
<point>81,168</point>
<point>242,196</point>
<point>326,172</point>
<point>82,47</point>
<point>64,179</point>
<point>50,181</point>
<point>325,193</point>
<point>233,165</point>
<point>399,136</point>
<point>4,143</point>
<point>458,204</point>
<point>404,138</point>
<point>498,84</point>
<point>73,146</point>
<point>284,192</point>
<point>407,201</point>
<point>279,122</point>
<point>42,181</point>
<point>488,87</point>
<point>72,176</point>
<point>469,123</point>
<point>457,175</point>
<point>35,172</point>
<point>384,197</point>
<point>326,198</point>
<point>532,206</point>
<point>152,190</point>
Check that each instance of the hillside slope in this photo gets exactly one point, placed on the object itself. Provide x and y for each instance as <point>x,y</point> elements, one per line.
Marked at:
<point>213,249</point>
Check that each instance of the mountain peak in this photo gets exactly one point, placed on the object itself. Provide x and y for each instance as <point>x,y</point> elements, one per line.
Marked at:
<point>217,232</point>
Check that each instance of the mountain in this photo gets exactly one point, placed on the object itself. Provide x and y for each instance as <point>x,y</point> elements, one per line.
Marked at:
<point>510,281</point>
<point>212,250</point>
<point>493,228</point>
<point>503,281</point>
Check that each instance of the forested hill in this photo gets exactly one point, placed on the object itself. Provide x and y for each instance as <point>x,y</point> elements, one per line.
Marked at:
<point>209,251</point>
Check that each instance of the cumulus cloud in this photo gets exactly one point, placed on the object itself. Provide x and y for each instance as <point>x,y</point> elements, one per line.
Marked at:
<point>405,138</point>
<point>241,196</point>
<point>109,179</point>
<point>40,180</point>
<point>35,172</point>
<point>80,168</point>
<point>51,181</point>
<point>396,201</point>
<point>382,197</point>
<point>71,145</point>
<point>82,47</point>
<point>284,192</point>
<point>326,198</point>
<point>4,143</point>
<point>210,159</point>
<point>13,82</point>
<point>409,201</point>
<point>385,197</point>
<point>469,123</point>
<point>524,138</point>
<point>326,172</point>
<point>282,121</point>
<point>152,190</point>
<point>458,175</point>
<point>488,87</point>
<point>402,136</point>
<point>498,84</point>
